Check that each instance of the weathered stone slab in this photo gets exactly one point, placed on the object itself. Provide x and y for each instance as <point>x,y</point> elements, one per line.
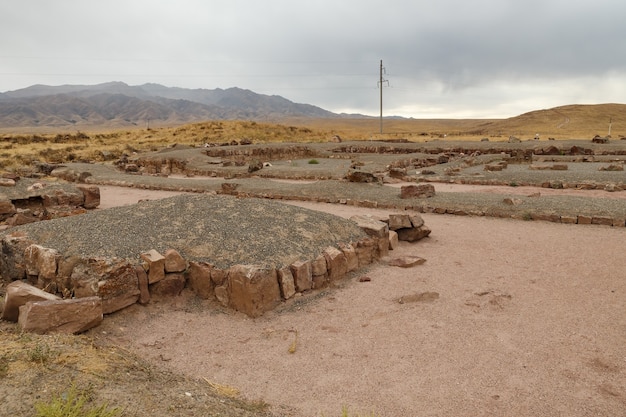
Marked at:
<point>170,286</point>
<point>142,281</point>
<point>61,316</point>
<point>12,263</point>
<point>199,279</point>
<point>365,251</point>
<point>416,219</point>
<point>302,275</point>
<point>119,289</point>
<point>286,282</point>
<point>399,221</point>
<point>393,239</point>
<point>91,196</point>
<point>336,263</point>
<point>414,234</point>
<point>19,293</point>
<point>112,279</point>
<point>7,208</point>
<point>407,261</point>
<point>417,191</point>
<point>42,262</point>
<point>349,251</point>
<point>371,226</point>
<point>252,289</point>
<point>174,262</point>
<point>155,265</point>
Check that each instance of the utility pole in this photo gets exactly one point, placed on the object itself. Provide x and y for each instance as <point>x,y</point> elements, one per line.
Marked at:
<point>380,85</point>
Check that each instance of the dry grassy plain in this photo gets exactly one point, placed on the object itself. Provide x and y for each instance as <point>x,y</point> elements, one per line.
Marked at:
<point>567,122</point>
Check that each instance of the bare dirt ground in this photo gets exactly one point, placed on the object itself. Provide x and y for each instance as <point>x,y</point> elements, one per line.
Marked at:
<point>506,318</point>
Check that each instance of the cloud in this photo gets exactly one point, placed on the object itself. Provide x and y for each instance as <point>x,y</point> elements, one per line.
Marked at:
<point>449,58</point>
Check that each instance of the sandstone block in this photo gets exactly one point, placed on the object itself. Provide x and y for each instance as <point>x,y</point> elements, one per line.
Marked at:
<point>302,275</point>
<point>371,226</point>
<point>173,261</point>
<point>336,263</point>
<point>252,289</point>
<point>417,191</point>
<point>603,220</point>
<point>61,316</point>
<point>12,262</point>
<point>416,220</point>
<point>286,282</point>
<point>582,219</point>
<point>548,217</point>
<point>170,286</point>
<point>199,279</point>
<point>41,261</point>
<point>221,294</point>
<point>407,261</point>
<point>91,196</point>
<point>19,293</point>
<point>119,289</point>
<point>569,219</point>
<point>349,252</point>
<point>414,234</point>
<point>142,281</point>
<point>218,276</point>
<point>393,240</point>
<point>112,279</point>
<point>365,251</point>
<point>7,208</point>
<point>155,265</point>
<point>399,221</point>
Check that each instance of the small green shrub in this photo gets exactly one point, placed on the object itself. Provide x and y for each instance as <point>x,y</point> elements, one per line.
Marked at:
<point>74,403</point>
<point>41,353</point>
<point>313,161</point>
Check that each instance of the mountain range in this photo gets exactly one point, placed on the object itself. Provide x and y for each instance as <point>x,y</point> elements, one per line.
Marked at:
<point>116,104</point>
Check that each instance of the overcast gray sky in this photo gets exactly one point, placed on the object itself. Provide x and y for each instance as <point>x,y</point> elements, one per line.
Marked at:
<point>443,58</point>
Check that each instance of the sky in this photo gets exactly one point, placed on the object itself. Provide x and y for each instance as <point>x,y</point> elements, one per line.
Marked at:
<point>441,58</point>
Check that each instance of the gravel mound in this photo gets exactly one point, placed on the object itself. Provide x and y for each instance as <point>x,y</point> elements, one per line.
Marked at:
<point>221,230</point>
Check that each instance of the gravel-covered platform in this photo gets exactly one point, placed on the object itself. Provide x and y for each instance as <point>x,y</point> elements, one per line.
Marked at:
<point>222,230</point>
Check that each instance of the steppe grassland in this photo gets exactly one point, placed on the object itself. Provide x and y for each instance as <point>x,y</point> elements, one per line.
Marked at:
<point>568,122</point>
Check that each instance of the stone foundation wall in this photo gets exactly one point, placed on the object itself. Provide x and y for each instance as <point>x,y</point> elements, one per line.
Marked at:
<point>119,283</point>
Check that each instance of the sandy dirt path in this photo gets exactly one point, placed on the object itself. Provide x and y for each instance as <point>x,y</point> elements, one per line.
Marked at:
<point>505,318</point>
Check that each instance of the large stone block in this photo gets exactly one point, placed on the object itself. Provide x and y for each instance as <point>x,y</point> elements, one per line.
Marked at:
<point>414,234</point>
<point>286,282</point>
<point>174,262</point>
<point>336,263</point>
<point>417,191</point>
<point>112,279</point>
<point>199,279</point>
<point>302,275</point>
<point>155,265</point>
<point>91,196</point>
<point>170,286</point>
<point>19,293</point>
<point>12,262</point>
<point>61,316</point>
<point>366,251</point>
<point>42,262</point>
<point>399,221</point>
<point>349,252</point>
<point>371,226</point>
<point>252,289</point>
